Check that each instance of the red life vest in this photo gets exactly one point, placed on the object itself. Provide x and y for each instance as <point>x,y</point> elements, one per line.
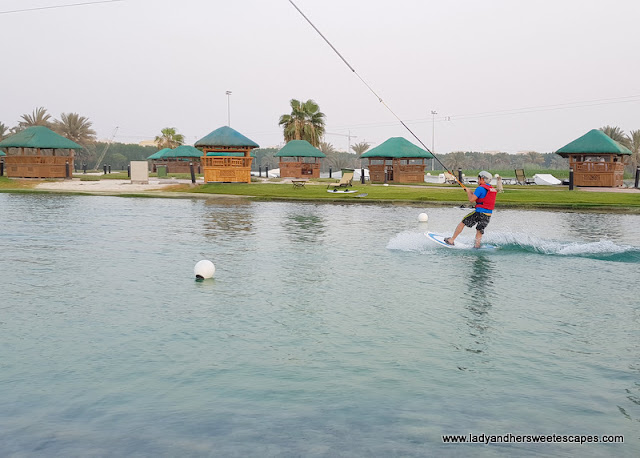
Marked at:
<point>489,201</point>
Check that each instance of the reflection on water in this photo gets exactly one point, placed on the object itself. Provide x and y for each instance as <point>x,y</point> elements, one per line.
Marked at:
<point>305,227</point>
<point>232,219</point>
<point>594,226</point>
<point>479,295</point>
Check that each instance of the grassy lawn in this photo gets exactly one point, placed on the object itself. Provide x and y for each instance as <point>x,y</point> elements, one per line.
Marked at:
<point>514,196</point>
<point>531,197</point>
<point>10,185</point>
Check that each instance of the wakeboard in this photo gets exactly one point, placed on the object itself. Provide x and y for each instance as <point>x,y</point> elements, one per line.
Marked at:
<point>439,239</point>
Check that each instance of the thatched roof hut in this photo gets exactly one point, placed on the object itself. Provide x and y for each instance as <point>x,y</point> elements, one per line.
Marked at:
<point>218,165</point>
<point>596,159</point>
<point>39,152</point>
<point>399,159</point>
<point>300,159</point>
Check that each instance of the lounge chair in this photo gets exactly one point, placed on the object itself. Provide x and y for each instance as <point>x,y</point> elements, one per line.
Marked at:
<point>346,180</point>
<point>449,178</point>
<point>522,179</point>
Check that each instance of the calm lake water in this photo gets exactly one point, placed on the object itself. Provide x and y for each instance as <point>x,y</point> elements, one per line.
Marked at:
<point>329,330</point>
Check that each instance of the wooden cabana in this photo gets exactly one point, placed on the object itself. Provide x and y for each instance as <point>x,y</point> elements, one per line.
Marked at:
<point>299,159</point>
<point>178,160</point>
<point>156,158</point>
<point>227,156</point>
<point>38,152</point>
<point>401,160</point>
<point>596,159</point>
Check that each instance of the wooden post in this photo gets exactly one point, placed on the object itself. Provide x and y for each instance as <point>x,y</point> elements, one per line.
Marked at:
<point>637,176</point>
<point>193,174</point>
<point>460,174</point>
<point>2,170</point>
<point>66,169</point>
<point>362,176</point>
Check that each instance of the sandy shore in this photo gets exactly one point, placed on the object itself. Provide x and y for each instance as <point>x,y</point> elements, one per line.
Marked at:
<point>109,186</point>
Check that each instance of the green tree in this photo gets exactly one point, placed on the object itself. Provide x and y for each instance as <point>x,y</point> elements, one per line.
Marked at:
<point>615,133</point>
<point>264,157</point>
<point>169,138</point>
<point>4,131</point>
<point>534,158</point>
<point>39,117</point>
<point>360,148</point>
<point>634,145</point>
<point>75,127</point>
<point>455,160</point>
<point>326,148</point>
<point>339,160</point>
<point>306,122</point>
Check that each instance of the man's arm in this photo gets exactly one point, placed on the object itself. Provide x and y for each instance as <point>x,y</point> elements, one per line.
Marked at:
<point>472,197</point>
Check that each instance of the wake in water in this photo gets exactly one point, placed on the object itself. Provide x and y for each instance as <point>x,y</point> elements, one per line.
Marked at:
<point>514,242</point>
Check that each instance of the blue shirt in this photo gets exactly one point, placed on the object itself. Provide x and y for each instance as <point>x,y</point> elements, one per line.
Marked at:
<point>480,193</point>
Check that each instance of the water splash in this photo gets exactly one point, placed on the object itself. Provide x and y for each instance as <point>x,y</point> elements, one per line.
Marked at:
<point>409,241</point>
<point>602,249</point>
<point>515,242</point>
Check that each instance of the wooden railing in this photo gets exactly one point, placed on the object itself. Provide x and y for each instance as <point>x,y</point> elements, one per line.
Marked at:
<point>228,169</point>
<point>591,173</point>
<point>606,167</point>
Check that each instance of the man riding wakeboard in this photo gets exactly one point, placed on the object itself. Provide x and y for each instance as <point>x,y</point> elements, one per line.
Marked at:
<point>485,199</point>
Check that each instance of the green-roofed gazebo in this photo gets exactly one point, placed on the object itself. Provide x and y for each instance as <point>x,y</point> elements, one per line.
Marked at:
<point>158,154</point>
<point>399,159</point>
<point>225,168</point>
<point>299,159</point>
<point>38,152</point>
<point>179,159</point>
<point>596,159</point>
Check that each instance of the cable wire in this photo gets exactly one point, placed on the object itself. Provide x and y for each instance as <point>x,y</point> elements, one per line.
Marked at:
<point>372,91</point>
<point>70,5</point>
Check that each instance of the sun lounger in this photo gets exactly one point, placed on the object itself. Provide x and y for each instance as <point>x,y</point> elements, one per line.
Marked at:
<point>346,180</point>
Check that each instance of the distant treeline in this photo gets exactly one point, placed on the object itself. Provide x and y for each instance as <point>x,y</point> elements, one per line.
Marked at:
<point>117,155</point>
<point>453,161</point>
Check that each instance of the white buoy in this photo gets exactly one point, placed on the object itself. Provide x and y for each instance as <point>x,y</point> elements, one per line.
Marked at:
<point>423,217</point>
<point>204,269</point>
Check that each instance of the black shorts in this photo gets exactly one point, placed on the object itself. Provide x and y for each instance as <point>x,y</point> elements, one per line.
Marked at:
<point>481,219</point>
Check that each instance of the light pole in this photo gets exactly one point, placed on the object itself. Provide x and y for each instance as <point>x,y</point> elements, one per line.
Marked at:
<point>433,136</point>
<point>228,108</point>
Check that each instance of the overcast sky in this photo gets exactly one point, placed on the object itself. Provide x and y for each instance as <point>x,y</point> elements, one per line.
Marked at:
<point>504,75</point>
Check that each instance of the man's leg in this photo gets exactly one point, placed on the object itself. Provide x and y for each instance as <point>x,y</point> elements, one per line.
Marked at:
<point>478,239</point>
<point>457,232</point>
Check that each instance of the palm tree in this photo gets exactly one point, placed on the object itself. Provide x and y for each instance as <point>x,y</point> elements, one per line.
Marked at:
<point>326,148</point>
<point>39,117</point>
<point>4,131</point>
<point>360,148</point>
<point>634,146</point>
<point>615,133</point>
<point>169,138</point>
<point>75,127</point>
<point>306,122</point>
